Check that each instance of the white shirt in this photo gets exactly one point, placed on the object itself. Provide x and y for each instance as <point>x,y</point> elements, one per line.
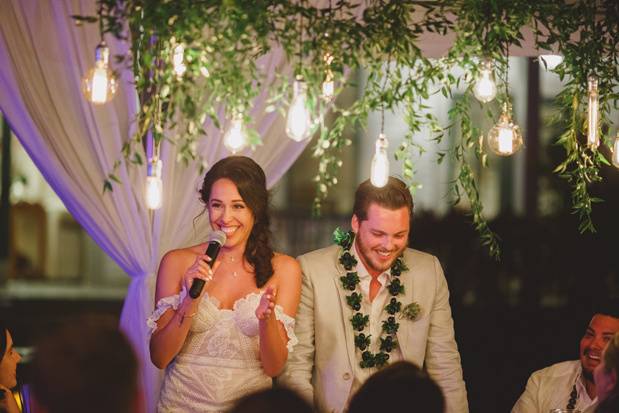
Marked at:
<point>550,388</point>
<point>375,310</point>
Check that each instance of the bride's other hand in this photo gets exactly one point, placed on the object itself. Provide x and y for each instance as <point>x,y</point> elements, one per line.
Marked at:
<point>267,304</point>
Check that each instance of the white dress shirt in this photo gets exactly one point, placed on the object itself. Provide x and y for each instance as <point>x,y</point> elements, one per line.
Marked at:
<point>375,310</point>
<point>550,388</point>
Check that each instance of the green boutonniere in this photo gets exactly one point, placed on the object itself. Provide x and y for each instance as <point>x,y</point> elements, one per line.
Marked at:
<point>411,311</point>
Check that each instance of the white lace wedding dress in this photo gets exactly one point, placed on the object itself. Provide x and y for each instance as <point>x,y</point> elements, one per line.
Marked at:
<point>220,359</point>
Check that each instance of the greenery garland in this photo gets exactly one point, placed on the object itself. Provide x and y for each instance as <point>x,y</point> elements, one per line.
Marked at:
<point>223,40</point>
<point>359,321</point>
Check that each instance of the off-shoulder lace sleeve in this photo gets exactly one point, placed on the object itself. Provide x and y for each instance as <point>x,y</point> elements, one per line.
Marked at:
<point>172,301</point>
<point>288,323</point>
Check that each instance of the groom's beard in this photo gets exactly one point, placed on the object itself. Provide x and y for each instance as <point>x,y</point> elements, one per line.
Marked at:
<point>369,254</point>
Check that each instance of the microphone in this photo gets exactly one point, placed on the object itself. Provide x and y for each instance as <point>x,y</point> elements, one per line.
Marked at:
<point>215,240</point>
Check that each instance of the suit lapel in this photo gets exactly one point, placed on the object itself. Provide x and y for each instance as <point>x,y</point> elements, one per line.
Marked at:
<point>349,334</point>
<point>406,278</point>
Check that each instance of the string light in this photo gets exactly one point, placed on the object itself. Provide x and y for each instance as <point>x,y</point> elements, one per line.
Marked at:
<point>298,120</point>
<point>235,138</point>
<point>154,185</point>
<point>379,171</point>
<point>505,137</point>
<point>485,87</point>
<point>328,86</point>
<point>99,85</point>
<point>178,60</point>
<point>593,131</point>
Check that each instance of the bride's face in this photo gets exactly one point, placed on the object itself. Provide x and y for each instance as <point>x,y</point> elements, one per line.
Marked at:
<point>229,213</point>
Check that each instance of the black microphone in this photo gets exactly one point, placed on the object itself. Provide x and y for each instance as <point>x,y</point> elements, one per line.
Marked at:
<point>215,241</point>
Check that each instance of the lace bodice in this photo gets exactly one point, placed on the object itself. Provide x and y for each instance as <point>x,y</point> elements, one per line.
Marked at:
<point>219,361</point>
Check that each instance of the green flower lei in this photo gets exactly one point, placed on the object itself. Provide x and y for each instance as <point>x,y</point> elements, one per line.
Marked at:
<point>359,320</point>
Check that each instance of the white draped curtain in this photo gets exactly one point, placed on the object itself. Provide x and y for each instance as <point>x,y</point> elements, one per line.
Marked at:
<point>43,56</point>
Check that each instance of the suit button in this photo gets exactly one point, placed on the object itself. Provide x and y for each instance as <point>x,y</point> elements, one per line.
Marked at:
<point>346,376</point>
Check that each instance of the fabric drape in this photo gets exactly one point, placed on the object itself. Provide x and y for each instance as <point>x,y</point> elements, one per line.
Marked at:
<point>43,56</point>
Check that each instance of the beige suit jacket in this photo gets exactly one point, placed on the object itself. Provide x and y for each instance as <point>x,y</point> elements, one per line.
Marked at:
<point>320,367</point>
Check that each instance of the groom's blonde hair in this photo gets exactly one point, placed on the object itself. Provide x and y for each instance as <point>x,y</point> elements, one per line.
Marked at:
<point>394,195</point>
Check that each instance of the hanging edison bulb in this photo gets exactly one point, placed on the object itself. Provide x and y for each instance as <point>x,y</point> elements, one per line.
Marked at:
<point>99,85</point>
<point>485,87</point>
<point>235,138</point>
<point>505,137</point>
<point>593,114</point>
<point>328,86</point>
<point>298,120</point>
<point>615,151</point>
<point>153,192</point>
<point>379,171</point>
<point>178,60</point>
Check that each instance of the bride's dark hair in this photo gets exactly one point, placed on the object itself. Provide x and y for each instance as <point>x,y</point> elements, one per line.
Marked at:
<point>250,181</point>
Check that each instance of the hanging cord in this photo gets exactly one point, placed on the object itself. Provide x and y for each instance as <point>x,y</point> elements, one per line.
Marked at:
<point>382,106</point>
<point>506,51</point>
<point>100,13</point>
<point>301,38</point>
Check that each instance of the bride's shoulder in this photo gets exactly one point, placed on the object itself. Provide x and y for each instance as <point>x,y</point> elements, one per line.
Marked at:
<point>181,256</point>
<point>285,265</point>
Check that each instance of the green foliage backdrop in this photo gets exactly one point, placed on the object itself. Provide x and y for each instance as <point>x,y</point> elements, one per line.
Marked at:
<point>224,39</point>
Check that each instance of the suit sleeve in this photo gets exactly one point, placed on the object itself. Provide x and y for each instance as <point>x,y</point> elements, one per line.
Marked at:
<point>528,401</point>
<point>300,365</point>
<point>442,359</point>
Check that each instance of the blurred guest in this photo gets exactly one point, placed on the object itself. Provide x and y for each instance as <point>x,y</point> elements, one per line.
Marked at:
<point>570,384</point>
<point>401,386</point>
<point>605,377</point>
<point>8,371</point>
<point>88,366</point>
<point>279,399</point>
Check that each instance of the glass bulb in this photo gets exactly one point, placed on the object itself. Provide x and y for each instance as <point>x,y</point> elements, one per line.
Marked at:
<point>593,130</point>
<point>551,61</point>
<point>505,137</point>
<point>99,85</point>
<point>298,120</point>
<point>235,138</point>
<point>178,60</point>
<point>616,151</point>
<point>485,87</point>
<point>379,171</point>
<point>328,87</point>
<point>153,192</point>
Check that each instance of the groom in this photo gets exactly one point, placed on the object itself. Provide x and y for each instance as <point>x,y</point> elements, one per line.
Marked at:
<point>369,301</point>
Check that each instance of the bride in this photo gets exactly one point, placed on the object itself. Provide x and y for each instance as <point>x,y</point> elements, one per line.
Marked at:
<point>235,336</point>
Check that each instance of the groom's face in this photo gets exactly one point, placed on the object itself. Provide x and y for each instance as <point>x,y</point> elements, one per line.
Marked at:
<point>382,237</point>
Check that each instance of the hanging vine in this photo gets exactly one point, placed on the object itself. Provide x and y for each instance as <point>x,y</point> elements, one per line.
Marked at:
<point>220,43</point>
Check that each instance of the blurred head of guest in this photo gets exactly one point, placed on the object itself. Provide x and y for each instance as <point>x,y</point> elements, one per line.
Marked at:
<point>398,387</point>
<point>605,376</point>
<point>8,359</point>
<point>277,399</point>
<point>603,325</point>
<point>87,366</point>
